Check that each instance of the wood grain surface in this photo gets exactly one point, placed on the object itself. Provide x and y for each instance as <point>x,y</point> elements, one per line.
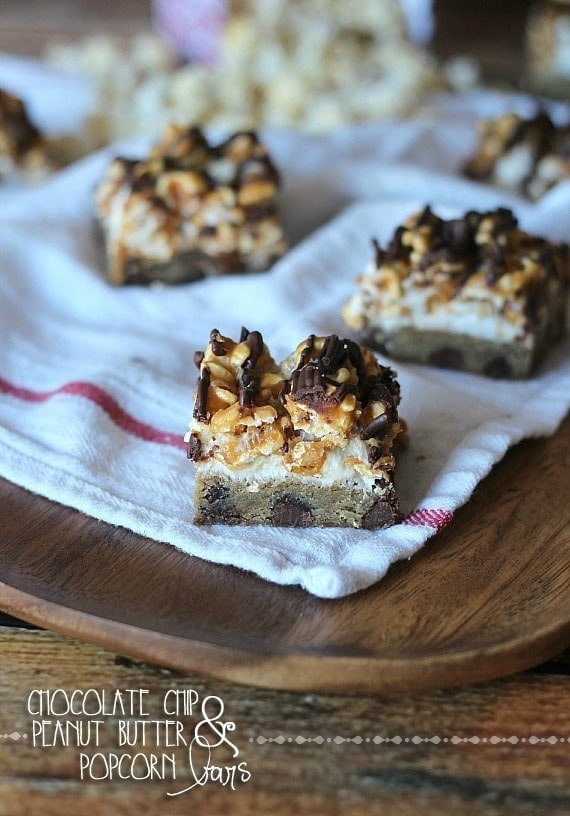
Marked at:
<point>483,778</point>
<point>489,596</point>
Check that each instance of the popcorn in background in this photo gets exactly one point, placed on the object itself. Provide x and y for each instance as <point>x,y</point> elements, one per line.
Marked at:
<point>311,64</point>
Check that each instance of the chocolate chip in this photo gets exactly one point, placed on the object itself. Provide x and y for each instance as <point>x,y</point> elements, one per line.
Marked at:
<point>374,453</point>
<point>381,514</point>
<point>447,357</point>
<point>194,448</point>
<point>289,511</point>
<point>354,355</point>
<point>217,507</point>
<point>457,233</point>
<point>332,354</point>
<point>375,429</point>
<point>307,351</point>
<point>435,256</point>
<point>499,368</point>
<point>216,493</point>
<point>379,254</point>
<point>395,250</point>
<point>426,217</point>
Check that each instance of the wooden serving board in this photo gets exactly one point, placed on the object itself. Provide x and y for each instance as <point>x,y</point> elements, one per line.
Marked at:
<point>487,597</point>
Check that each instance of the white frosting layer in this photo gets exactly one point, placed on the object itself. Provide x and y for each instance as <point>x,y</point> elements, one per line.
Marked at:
<point>475,313</point>
<point>335,469</point>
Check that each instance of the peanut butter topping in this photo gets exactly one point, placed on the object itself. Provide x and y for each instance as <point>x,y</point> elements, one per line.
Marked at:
<point>330,394</point>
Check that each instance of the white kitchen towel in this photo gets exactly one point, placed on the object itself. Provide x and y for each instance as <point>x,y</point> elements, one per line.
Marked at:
<point>96,382</point>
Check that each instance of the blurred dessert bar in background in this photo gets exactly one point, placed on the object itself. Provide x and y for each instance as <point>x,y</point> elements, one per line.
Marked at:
<point>23,152</point>
<point>524,156</point>
<point>548,47</point>
<point>190,210</point>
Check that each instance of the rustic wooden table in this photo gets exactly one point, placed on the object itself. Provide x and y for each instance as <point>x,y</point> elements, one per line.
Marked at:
<point>498,748</point>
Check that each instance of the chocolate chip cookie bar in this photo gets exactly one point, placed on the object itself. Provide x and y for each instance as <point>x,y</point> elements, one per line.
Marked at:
<point>474,293</point>
<point>22,146</point>
<point>305,443</point>
<point>524,156</point>
<point>190,210</point>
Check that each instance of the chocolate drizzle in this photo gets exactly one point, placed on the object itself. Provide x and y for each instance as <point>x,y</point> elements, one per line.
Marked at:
<point>200,412</point>
<point>454,243</point>
<point>218,347</point>
<point>248,388</point>
<point>248,383</point>
<point>310,379</point>
<point>314,382</point>
<point>255,343</point>
<point>308,382</point>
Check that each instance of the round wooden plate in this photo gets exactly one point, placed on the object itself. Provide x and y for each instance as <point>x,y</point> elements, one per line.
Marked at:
<point>487,597</point>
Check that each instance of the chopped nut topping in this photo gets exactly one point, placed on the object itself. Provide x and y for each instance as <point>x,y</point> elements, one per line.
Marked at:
<point>481,263</point>
<point>328,394</point>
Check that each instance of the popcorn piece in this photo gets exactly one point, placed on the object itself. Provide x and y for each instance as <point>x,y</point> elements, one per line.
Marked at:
<point>308,442</point>
<point>191,209</point>
<point>526,156</point>
<point>475,293</point>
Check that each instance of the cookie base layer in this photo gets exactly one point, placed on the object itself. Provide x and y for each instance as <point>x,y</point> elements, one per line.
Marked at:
<point>294,504</point>
<point>463,352</point>
<point>185,267</point>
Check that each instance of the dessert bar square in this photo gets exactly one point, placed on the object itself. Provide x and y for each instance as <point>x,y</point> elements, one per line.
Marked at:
<point>474,293</point>
<point>22,146</point>
<point>524,156</point>
<point>190,210</point>
<point>308,442</point>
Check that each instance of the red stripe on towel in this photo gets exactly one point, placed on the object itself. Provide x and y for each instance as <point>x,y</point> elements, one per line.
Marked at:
<point>105,402</point>
<point>428,517</point>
